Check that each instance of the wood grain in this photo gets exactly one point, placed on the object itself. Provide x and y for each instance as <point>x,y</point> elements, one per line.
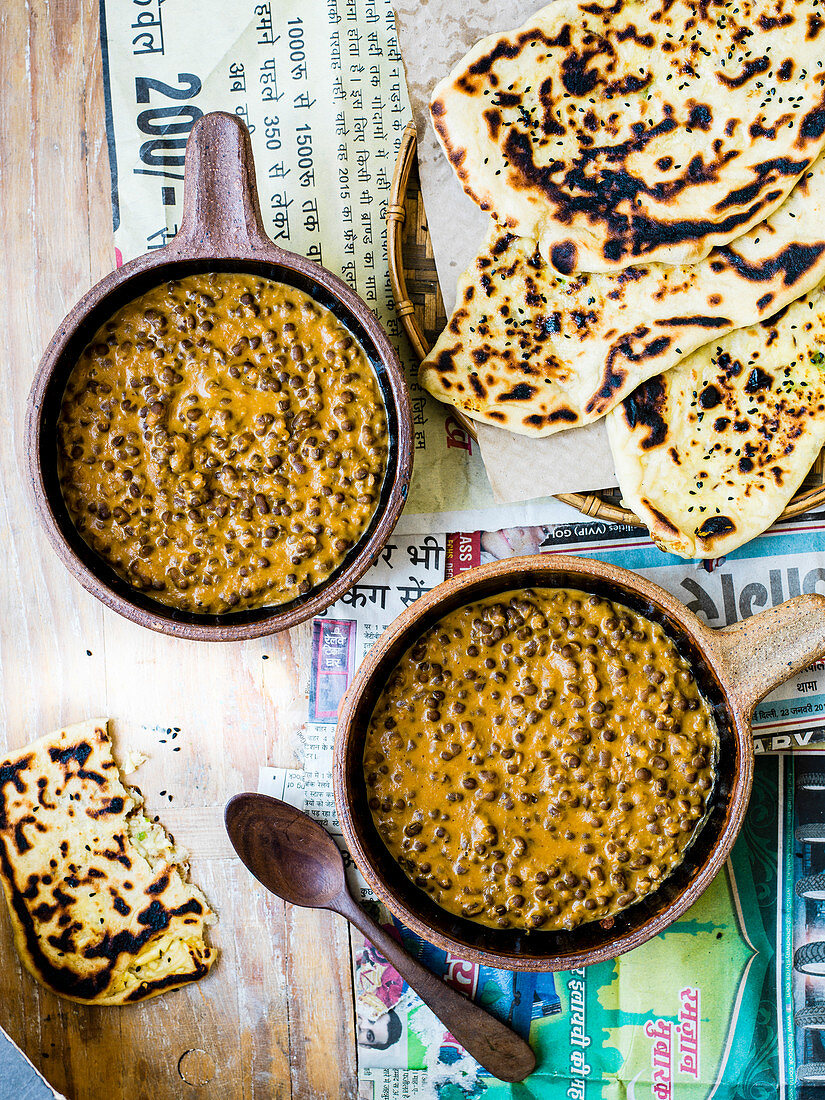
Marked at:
<point>274,1017</point>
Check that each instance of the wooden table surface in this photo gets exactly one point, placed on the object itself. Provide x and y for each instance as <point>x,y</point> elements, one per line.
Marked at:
<point>274,1019</point>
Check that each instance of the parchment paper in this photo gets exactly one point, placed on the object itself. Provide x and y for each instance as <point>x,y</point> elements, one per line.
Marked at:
<point>433,36</point>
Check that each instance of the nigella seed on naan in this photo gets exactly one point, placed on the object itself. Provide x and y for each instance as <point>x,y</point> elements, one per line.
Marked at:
<point>535,352</point>
<point>617,133</point>
<point>709,454</point>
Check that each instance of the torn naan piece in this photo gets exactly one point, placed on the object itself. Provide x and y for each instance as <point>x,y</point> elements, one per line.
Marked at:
<point>98,896</point>
<point>618,133</point>
<point>535,352</point>
<point>709,454</point>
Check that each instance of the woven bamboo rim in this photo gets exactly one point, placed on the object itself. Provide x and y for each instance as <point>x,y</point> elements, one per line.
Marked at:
<point>405,191</point>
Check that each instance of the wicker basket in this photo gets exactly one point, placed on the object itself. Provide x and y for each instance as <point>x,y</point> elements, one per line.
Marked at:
<point>418,301</point>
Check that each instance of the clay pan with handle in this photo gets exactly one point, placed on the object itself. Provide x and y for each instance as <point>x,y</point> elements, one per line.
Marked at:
<point>221,230</point>
<point>735,668</point>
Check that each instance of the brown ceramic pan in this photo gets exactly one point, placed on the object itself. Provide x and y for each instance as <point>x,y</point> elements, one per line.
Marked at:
<point>735,667</point>
<point>221,230</point>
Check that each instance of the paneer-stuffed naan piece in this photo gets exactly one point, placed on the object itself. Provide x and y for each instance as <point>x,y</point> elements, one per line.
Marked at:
<point>98,896</point>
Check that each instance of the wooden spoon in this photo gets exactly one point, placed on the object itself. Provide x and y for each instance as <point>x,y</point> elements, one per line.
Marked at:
<point>295,858</point>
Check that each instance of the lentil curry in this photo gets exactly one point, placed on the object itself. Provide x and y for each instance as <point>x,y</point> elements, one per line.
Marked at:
<point>540,759</point>
<point>222,443</point>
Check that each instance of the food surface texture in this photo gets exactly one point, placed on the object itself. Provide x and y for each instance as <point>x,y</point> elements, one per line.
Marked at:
<point>614,132</point>
<point>222,443</point>
<point>539,759</point>
<point>98,898</point>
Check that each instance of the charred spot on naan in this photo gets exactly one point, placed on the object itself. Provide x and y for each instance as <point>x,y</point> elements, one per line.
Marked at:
<point>758,379</point>
<point>661,518</point>
<point>445,361</point>
<point>564,257</point>
<point>792,262</point>
<point>643,409</point>
<point>476,386</point>
<point>695,321</point>
<point>11,772</point>
<point>562,415</point>
<point>710,397</point>
<point>456,319</point>
<point>750,69</point>
<point>715,527</point>
<point>727,365</point>
<point>523,391</point>
<point>614,376</point>
<point>502,243</point>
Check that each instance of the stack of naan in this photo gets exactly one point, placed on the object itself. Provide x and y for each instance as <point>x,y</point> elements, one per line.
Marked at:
<point>655,174</point>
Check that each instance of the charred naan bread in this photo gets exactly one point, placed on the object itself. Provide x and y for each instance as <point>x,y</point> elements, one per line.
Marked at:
<point>97,895</point>
<point>709,454</point>
<point>535,352</point>
<point>618,132</point>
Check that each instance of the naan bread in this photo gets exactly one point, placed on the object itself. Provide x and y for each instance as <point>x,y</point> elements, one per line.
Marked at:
<point>97,895</point>
<point>615,133</point>
<point>709,454</point>
<point>535,352</point>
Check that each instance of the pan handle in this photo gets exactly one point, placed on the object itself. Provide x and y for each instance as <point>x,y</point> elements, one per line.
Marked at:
<point>763,651</point>
<point>221,212</point>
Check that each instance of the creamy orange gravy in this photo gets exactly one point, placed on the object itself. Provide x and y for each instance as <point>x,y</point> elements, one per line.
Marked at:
<point>540,759</point>
<point>222,443</point>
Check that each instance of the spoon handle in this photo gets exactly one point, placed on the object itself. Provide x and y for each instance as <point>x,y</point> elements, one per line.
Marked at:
<point>493,1045</point>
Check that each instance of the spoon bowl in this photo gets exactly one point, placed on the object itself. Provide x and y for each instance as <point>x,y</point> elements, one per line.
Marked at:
<point>287,852</point>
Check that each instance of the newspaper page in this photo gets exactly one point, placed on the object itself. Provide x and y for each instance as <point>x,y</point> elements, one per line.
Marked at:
<point>321,88</point>
<point>702,1010</point>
